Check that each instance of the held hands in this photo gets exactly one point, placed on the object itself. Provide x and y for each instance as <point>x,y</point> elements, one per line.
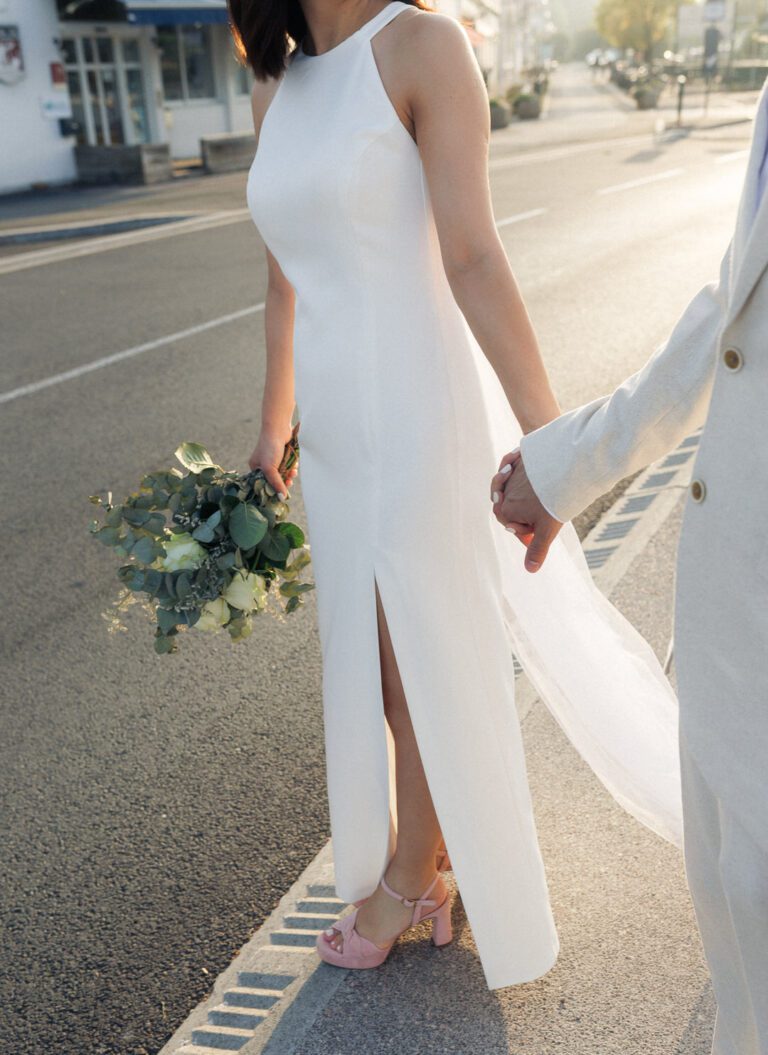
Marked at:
<point>268,456</point>
<point>518,509</point>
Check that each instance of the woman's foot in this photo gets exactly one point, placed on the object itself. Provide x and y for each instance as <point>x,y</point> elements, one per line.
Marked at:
<point>380,918</point>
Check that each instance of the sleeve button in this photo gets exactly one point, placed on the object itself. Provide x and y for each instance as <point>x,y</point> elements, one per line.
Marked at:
<point>698,491</point>
<point>733,359</point>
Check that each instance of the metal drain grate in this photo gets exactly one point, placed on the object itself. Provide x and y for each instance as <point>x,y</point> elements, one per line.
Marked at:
<point>596,558</point>
<point>658,480</point>
<point>235,1020</point>
<point>678,458</point>
<point>637,504</point>
<point>617,529</point>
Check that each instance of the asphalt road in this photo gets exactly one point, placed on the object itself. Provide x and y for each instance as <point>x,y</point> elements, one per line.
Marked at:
<point>154,809</point>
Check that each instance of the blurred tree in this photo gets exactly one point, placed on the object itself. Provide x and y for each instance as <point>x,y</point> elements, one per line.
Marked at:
<point>637,24</point>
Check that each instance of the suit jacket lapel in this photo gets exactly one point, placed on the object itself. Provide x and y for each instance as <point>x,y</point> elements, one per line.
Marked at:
<point>750,245</point>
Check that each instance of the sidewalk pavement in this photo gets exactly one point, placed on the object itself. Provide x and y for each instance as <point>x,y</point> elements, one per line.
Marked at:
<point>579,109</point>
<point>630,979</point>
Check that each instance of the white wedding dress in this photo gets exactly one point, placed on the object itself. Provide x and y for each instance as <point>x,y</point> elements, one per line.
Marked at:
<point>403,423</point>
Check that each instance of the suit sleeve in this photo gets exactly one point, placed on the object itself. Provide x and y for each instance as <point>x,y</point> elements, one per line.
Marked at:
<point>581,455</point>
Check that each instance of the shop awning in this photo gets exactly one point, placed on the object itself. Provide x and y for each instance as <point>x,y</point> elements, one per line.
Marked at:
<point>175,12</point>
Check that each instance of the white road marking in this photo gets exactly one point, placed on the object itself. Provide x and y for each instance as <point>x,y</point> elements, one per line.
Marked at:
<point>53,255</point>
<point>631,184</point>
<point>565,151</point>
<point>127,353</point>
<point>520,216</point>
<point>737,155</point>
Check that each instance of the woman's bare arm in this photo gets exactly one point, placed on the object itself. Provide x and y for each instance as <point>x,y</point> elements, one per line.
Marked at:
<point>278,401</point>
<point>437,90</point>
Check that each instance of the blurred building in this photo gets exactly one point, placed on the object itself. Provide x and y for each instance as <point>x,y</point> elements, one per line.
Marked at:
<point>106,72</point>
<point>113,73</point>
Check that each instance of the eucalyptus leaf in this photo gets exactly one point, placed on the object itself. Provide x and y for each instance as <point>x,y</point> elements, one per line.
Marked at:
<point>109,536</point>
<point>292,532</point>
<point>136,517</point>
<point>155,524</point>
<point>145,549</point>
<point>203,533</point>
<point>183,585</point>
<point>194,456</point>
<point>164,645</point>
<point>247,526</point>
<point>166,620</point>
<point>275,547</point>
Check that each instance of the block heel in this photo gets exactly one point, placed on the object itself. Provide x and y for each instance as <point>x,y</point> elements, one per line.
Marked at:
<point>442,927</point>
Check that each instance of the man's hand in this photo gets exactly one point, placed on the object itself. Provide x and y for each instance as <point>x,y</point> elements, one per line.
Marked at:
<point>517,507</point>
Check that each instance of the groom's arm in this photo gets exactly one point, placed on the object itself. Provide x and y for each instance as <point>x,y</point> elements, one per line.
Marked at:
<point>581,455</point>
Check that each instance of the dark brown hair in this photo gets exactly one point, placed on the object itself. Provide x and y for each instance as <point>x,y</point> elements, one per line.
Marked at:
<point>264,31</point>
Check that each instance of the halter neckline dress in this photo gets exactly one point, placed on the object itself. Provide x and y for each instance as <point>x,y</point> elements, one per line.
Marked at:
<point>403,423</point>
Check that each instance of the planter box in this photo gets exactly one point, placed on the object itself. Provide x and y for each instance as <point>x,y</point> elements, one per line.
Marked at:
<point>646,99</point>
<point>499,115</point>
<point>227,151</point>
<point>147,163</point>
<point>528,107</point>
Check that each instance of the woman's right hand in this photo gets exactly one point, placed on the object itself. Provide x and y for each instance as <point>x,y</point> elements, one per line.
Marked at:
<point>267,455</point>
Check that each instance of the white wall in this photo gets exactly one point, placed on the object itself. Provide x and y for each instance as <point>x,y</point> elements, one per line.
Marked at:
<point>32,149</point>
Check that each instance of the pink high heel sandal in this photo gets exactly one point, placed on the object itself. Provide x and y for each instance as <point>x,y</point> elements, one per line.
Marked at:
<point>360,952</point>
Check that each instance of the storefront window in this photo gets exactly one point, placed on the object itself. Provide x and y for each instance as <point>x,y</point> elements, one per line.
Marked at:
<point>76,98</point>
<point>104,50</point>
<point>170,50</point>
<point>107,90</point>
<point>131,53</point>
<point>69,52</point>
<point>136,105</point>
<point>187,62</point>
<point>199,61</point>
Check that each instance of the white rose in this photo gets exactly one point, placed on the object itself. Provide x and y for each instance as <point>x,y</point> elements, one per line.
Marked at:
<point>246,592</point>
<point>182,552</point>
<point>213,615</point>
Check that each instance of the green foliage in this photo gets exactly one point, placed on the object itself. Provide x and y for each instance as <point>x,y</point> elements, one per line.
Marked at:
<point>186,536</point>
<point>638,24</point>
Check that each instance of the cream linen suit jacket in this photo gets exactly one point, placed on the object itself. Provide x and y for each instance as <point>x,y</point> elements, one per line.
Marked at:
<point>713,371</point>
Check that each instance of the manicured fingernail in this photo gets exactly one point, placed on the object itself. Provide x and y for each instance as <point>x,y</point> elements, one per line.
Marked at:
<point>495,497</point>
<point>511,530</point>
<point>533,565</point>
<point>282,495</point>
<point>507,469</point>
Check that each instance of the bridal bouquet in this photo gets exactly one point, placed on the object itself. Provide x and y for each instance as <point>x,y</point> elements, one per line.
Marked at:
<point>207,548</point>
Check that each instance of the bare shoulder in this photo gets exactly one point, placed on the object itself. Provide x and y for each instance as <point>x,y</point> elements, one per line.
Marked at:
<point>428,45</point>
<point>261,97</point>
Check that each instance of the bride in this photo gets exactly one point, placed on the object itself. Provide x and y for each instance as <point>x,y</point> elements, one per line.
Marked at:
<point>394,322</point>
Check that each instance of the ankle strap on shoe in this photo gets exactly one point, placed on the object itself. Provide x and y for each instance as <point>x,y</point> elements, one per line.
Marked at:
<point>414,903</point>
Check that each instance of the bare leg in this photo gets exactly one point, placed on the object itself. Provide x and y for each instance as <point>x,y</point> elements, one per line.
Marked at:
<point>412,868</point>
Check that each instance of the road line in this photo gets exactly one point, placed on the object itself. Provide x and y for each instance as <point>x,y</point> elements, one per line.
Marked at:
<point>567,150</point>
<point>520,216</point>
<point>737,155</point>
<point>643,181</point>
<point>127,353</point>
<point>39,257</point>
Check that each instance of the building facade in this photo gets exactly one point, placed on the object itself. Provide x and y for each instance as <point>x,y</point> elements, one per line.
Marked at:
<point>127,72</point>
<point>154,71</point>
